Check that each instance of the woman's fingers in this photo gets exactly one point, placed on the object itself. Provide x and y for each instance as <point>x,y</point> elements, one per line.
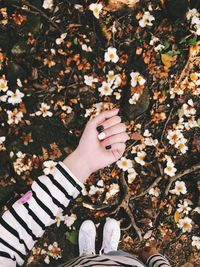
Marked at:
<point>109,123</point>
<point>118,150</point>
<point>104,115</point>
<point>116,129</point>
<point>117,138</point>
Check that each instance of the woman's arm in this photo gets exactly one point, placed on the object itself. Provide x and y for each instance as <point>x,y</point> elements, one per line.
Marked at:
<point>26,221</point>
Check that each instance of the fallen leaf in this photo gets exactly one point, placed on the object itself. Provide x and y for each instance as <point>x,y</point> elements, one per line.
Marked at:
<point>176,216</point>
<point>168,60</point>
<point>136,136</point>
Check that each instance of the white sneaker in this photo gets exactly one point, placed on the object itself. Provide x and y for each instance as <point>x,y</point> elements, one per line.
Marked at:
<point>111,236</point>
<point>87,236</point>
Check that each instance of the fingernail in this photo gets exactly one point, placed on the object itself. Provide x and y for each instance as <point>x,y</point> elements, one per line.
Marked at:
<point>100,128</point>
<point>101,136</point>
<point>108,147</point>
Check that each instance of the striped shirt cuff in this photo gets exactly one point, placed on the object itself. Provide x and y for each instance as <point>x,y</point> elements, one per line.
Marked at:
<point>25,222</point>
<point>157,260</point>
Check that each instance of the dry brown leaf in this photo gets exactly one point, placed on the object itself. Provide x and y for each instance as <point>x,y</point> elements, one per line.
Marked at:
<point>195,50</point>
<point>117,4</point>
<point>168,60</point>
<point>136,136</point>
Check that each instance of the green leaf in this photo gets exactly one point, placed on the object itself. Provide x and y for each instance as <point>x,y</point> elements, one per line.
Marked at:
<point>72,236</point>
<point>192,41</point>
<point>75,41</point>
<point>166,45</point>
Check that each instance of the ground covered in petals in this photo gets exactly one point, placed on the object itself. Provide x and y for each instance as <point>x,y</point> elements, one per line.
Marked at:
<point>63,62</point>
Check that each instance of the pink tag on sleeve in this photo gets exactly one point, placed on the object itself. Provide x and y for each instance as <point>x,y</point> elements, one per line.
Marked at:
<point>25,197</point>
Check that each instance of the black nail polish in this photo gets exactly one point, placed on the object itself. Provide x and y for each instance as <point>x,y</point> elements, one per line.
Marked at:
<point>100,128</point>
<point>108,147</point>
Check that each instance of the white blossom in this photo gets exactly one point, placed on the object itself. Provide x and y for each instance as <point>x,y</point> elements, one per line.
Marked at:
<point>96,9</point>
<point>131,175</point>
<point>49,166</point>
<point>146,20</point>
<point>69,220</point>
<point>134,98</point>
<point>105,89</point>
<point>140,158</point>
<point>124,163</point>
<point>170,169</point>
<point>183,207</point>
<point>89,80</point>
<point>136,78</point>
<point>180,188</point>
<point>61,39</point>
<point>111,55</point>
<point>196,241</point>
<point>14,98</point>
<point>155,191</point>
<point>86,48</point>
<point>113,190</point>
<point>44,111</point>
<point>3,85</point>
<point>47,4</point>
<point>14,117</point>
<point>185,224</point>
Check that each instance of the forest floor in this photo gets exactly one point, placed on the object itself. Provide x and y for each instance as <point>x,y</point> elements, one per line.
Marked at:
<point>66,63</point>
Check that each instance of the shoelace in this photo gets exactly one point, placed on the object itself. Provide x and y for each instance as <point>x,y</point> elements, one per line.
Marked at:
<point>87,246</point>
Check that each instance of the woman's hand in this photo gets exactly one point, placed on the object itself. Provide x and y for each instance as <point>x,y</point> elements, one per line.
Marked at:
<point>93,154</point>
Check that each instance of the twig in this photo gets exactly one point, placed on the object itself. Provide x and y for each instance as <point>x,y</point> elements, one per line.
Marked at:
<point>181,174</point>
<point>158,179</point>
<point>163,132</point>
<point>42,13</point>
<point>125,206</point>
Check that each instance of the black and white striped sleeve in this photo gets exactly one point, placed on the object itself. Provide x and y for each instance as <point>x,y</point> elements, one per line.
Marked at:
<point>26,221</point>
<point>158,260</point>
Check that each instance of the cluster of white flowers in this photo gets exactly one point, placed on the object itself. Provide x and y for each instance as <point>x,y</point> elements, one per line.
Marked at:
<point>127,165</point>
<point>113,82</point>
<point>53,251</point>
<point>44,111</point>
<point>22,164</point>
<point>10,96</point>
<point>67,219</point>
<point>49,166</point>
<point>146,20</point>
<point>155,43</point>
<point>194,17</point>
<point>148,140</point>
<point>113,190</point>
<point>136,79</point>
<point>170,169</point>
<point>177,139</point>
<point>179,188</point>
<point>96,9</point>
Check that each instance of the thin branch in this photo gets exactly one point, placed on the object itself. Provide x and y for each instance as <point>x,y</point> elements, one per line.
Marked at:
<point>157,180</point>
<point>43,14</point>
<point>163,132</point>
<point>181,174</point>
